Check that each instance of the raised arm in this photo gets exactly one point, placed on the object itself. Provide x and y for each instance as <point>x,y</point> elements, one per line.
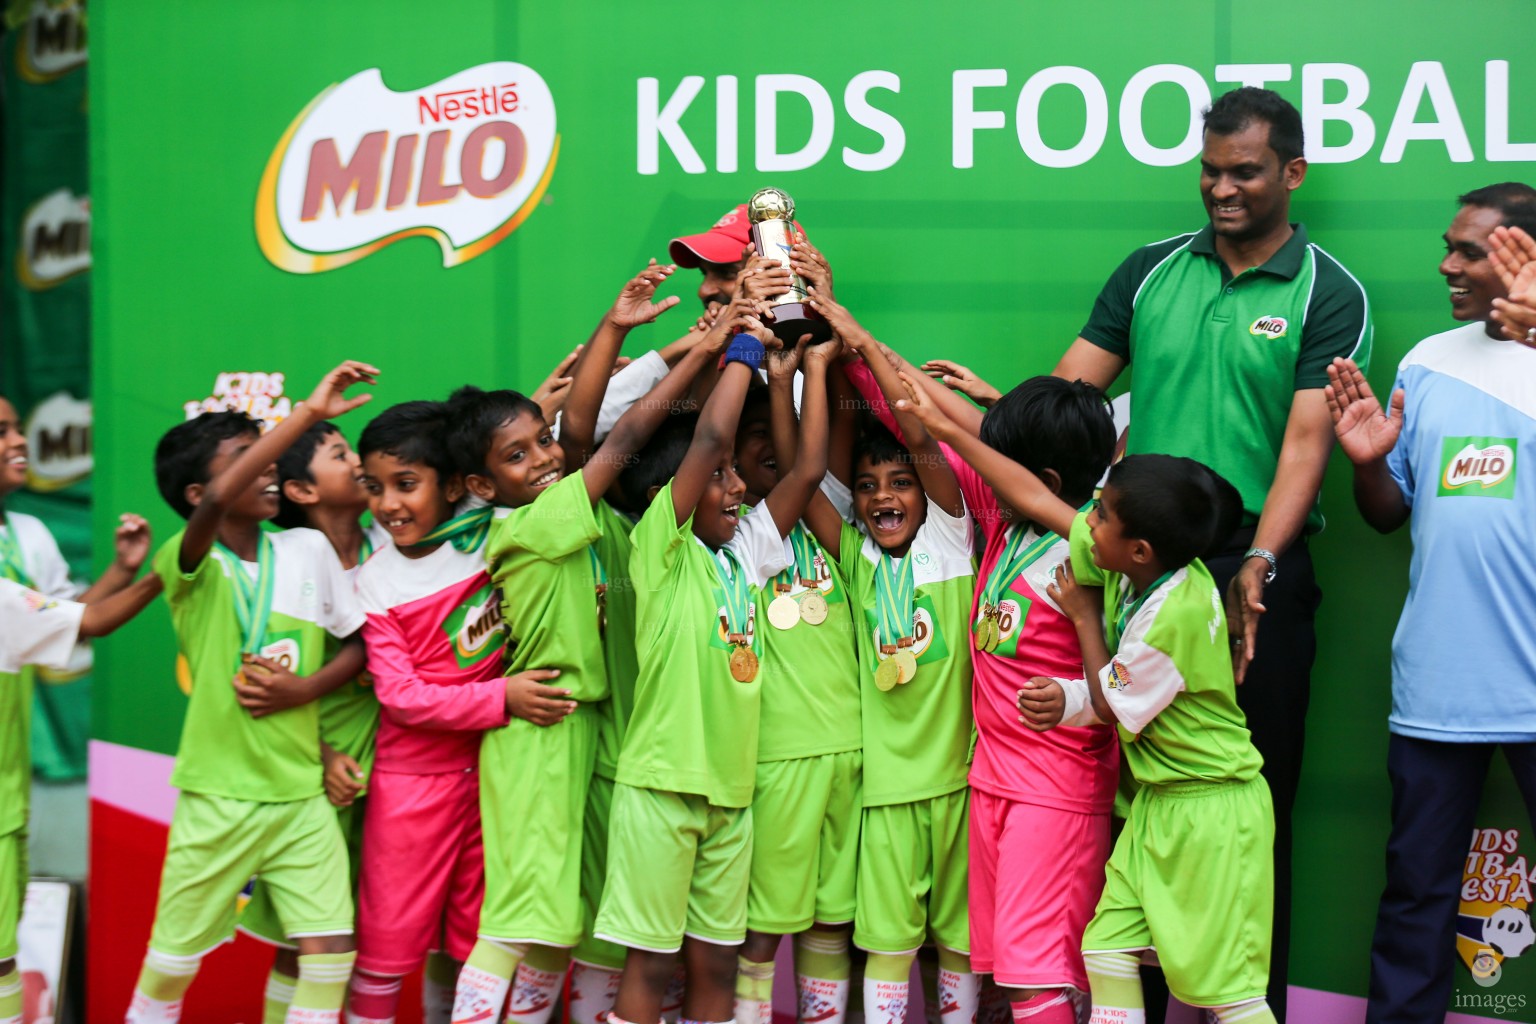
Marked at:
<point>130,546</point>
<point>928,458</point>
<point>107,613</point>
<point>788,499</point>
<point>714,439</point>
<point>215,497</point>
<point>1020,489</point>
<point>632,307</point>
<point>1367,435</point>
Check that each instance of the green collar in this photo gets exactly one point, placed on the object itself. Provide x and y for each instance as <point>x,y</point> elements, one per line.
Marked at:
<point>1286,262</point>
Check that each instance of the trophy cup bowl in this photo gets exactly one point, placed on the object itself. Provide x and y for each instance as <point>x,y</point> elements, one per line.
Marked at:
<point>772,214</point>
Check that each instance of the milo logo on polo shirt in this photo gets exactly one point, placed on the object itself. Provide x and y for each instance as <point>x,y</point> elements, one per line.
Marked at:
<point>1483,467</point>
<point>476,628</point>
<point>1271,327</point>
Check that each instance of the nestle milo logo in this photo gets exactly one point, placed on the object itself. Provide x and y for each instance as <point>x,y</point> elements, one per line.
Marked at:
<point>1271,327</point>
<point>1480,466</point>
<point>51,43</point>
<point>476,628</point>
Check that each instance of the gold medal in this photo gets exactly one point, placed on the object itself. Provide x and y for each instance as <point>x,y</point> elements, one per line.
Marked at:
<point>887,675</point>
<point>906,665</point>
<point>813,607</point>
<point>743,664</point>
<point>783,612</point>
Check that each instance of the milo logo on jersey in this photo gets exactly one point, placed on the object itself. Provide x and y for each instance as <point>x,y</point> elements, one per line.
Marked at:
<point>1494,922</point>
<point>1271,327</point>
<point>476,628</point>
<point>284,650</point>
<point>928,646</point>
<point>1483,467</point>
<point>722,629</point>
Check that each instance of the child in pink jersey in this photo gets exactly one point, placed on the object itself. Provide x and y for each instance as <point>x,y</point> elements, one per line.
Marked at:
<point>1040,802</point>
<point>435,637</point>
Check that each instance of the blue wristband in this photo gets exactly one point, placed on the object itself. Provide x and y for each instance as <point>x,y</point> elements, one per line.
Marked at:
<point>745,349</point>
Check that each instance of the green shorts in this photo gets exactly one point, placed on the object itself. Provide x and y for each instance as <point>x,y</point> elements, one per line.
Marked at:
<point>913,862</point>
<point>1192,877</point>
<point>217,843</point>
<point>805,842</point>
<point>533,801</point>
<point>677,865</point>
<point>594,869</point>
<point>13,889</point>
<point>259,918</point>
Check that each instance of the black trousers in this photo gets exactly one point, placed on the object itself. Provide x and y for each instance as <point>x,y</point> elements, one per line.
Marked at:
<point>1435,792</point>
<point>1274,697</point>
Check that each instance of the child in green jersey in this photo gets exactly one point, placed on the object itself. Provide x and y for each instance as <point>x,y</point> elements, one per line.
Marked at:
<point>543,556</point>
<point>1191,876</point>
<point>909,567</point>
<point>252,608</point>
<point>320,481</point>
<point>681,829</point>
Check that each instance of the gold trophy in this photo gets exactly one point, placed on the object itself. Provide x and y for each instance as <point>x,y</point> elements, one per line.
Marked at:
<point>772,213</point>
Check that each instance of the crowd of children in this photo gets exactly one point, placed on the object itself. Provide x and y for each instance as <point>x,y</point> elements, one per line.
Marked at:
<point>756,638</point>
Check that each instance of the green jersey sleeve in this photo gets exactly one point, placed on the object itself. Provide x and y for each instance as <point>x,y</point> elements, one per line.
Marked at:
<point>557,524</point>
<point>1338,323</point>
<point>1081,546</point>
<point>1109,325</point>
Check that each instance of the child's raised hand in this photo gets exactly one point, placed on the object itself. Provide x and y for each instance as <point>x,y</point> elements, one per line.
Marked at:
<point>763,278</point>
<point>634,307</point>
<point>827,352</point>
<point>807,261</point>
<point>1041,704</point>
<point>1078,603</point>
<point>960,378</point>
<point>782,362</point>
<point>843,323</point>
<point>329,400</point>
<point>1364,432</point>
<point>343,778</point>
<point>131,541</point>
<point>529,698</point>
<point>551,394</point>
<point>920,405</point>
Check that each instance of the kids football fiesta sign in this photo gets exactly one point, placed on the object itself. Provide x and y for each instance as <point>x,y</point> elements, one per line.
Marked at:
<point>462,161</point>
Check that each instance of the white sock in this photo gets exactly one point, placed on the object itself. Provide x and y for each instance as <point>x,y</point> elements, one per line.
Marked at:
<point>958,996</point>
<point>162,974</point>
<point>754,991</point>
<point>593,990</point>
<point>534,993</point>
<point>821,1000</point>
<point>885,1002</point>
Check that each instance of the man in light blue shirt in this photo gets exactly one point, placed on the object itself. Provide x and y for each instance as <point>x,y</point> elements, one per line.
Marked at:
<point>1450,457</point>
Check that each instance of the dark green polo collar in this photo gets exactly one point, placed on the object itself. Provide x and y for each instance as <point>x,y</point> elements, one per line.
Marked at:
<point>1286,262</point>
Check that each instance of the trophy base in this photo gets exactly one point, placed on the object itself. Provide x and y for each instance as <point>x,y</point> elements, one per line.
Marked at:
<point>794,319</point>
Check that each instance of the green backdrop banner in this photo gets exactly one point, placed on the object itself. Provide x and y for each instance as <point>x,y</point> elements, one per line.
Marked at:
<point>45,321</point>
<point>456,197</point>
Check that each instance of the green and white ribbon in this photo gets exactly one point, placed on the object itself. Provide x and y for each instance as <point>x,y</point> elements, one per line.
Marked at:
<point>733,583</point>
<point>253,598</point>
<point>894,591</point>
<point>11,565</point>
<point>1016,558</point>
<point>466,531</point>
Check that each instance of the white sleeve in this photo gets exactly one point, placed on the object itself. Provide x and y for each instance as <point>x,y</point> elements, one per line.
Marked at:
<point>38,629</point>
<point>839,495</point>
<point>40,551</point>
<point>1079,708</point>
<point>759,547</point>
<point>627,387</point>
<point>1140,680</point>
<point>340,614</point>
<point>946,536</point>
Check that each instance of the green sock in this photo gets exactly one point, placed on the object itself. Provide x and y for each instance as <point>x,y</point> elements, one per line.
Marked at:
<point>162,982</point>
<point>279,994</point>
<point>1114,980</point>
<point>754,991</point>
<point>322,988</point>
<point>1254,1011</point>
<point>10,997</point>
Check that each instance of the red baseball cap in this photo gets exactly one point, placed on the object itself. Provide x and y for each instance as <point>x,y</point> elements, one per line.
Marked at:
<point>722,243</point>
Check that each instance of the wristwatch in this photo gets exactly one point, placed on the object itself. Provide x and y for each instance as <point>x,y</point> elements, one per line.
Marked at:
<point>1268,556</point>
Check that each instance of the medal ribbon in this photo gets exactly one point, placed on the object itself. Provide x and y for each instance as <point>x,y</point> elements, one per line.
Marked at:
<point>805,558</point>
<point>599,574</point>
<point>894,591</point>
<point>366,551</point>
<point>466,532</point>
<point>11,565</point>
<point>253,598</point>
<point>1128,610</point>
<point>733,583</point>
<point>1012,563</point>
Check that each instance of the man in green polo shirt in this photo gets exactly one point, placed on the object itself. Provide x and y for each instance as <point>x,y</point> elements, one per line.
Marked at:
<point>1231,329</point>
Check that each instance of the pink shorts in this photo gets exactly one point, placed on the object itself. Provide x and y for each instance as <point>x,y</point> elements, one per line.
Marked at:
<point>1036,876</point>
<point>423,872</point>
